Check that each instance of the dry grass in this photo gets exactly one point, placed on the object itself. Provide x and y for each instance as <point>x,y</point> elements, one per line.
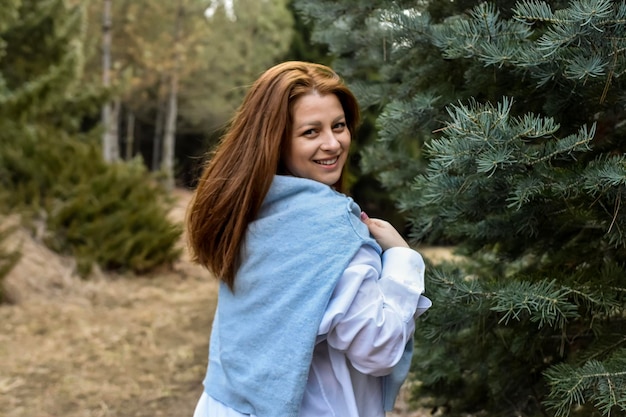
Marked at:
<point>108,346</point>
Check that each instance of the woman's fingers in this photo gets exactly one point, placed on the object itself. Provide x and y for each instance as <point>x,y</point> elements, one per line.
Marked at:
<point>384,233</point>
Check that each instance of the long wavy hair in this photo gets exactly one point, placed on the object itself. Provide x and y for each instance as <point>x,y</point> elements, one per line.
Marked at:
<point>239,172</point>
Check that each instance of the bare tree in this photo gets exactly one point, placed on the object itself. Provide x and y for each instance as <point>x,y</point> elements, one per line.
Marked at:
<point>110,113</point>
<point>169,139</point>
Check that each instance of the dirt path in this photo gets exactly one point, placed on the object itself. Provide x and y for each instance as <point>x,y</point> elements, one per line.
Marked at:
<point>110,346</point>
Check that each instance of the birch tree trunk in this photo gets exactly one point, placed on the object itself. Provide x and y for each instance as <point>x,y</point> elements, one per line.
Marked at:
<point>169,140</point>
<point>157,142</point>
<point>114,129</point>
<point>110,147</point>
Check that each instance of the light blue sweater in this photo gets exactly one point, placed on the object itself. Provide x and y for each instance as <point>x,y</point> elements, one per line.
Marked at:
<point>264,331</point>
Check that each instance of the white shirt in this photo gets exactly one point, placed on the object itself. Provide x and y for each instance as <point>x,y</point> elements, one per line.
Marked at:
<point>362,335</point>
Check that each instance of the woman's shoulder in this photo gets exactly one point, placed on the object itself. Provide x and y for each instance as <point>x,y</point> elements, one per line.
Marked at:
<point>302,194</point>
<point>312,205</point>
<point>284,186</point>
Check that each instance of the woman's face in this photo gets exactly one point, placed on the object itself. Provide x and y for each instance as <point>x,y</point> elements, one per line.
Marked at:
<point>320,139</point>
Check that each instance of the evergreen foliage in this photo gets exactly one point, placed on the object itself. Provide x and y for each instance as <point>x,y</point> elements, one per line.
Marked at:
<point>301,48</point>
<point>8,257</point>
<point>501,129</point>
<point>112,215</point>
<point>362,185</point>
<point>41,65</point>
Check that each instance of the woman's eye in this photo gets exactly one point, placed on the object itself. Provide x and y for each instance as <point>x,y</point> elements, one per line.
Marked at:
<point>309,132</point>
<point>340,125</point>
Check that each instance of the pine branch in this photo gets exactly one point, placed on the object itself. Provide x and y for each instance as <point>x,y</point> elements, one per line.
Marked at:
<point>533,11</point>
<point>599,382</point>
<point>606,172</point>
<point>543,302</point>
<point>402,118</point>
<point>405,27</point>
<point>483,34</point>
<point>464,289</point>
<point>573,143</point>
<point>491,140</point>
<point>531,126</point>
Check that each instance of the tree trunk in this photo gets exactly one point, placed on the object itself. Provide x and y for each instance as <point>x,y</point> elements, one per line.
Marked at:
<point>114,131</point>
<point>110,147</point>
<point>169,140</point>
<point>157,142</point>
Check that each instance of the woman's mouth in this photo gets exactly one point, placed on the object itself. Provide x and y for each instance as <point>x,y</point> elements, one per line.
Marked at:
<point>327,161</point>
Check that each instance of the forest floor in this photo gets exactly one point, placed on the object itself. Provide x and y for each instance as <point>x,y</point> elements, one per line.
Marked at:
<point>122,346</point>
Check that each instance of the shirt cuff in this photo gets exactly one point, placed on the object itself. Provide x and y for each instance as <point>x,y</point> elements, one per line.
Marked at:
<point>404,266</point>
<point>423,304</point>
<point>402,280</point>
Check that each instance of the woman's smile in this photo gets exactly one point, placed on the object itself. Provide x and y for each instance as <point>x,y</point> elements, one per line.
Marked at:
<point>327,161</point>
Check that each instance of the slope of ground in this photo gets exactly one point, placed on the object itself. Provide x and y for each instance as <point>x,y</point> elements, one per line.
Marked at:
<point>109,346</point>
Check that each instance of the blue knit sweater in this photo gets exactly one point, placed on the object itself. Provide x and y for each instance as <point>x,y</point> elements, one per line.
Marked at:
<point>264,331</point>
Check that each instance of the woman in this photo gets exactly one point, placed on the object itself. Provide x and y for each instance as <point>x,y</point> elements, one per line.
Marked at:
<point>317,301</point>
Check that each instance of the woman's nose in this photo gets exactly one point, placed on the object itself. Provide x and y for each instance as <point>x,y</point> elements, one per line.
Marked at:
<point>330,142</point>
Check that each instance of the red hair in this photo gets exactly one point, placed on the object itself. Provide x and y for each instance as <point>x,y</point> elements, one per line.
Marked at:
<point>239,172</point>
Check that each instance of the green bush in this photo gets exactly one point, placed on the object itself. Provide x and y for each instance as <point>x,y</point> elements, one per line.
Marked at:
<point>8,257</point>
<point>111,215</point>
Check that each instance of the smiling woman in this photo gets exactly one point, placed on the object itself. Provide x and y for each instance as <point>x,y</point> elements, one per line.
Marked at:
<point>320,139</point>
<point>317,301</point>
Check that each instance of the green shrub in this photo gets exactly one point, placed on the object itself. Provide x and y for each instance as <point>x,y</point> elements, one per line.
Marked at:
<point>8,257</point>
<point>112,215</point>
<point>115,219</point>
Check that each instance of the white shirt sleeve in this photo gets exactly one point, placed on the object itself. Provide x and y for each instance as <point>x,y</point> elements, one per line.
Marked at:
<point>370,316</point>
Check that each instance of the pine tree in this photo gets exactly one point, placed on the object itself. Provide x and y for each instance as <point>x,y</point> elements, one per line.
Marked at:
<point>501,130</point>
<point>39,59</point>
<point>41,63</point>
<point>51,170</point>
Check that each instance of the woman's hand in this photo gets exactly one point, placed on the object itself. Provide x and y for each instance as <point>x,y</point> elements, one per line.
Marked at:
<point>384,233</point>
